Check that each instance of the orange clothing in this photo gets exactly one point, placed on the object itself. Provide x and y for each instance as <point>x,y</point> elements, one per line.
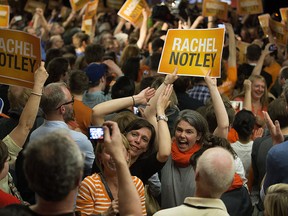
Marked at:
<point>82,115</point>
<point>232,135</point>
<point>93,198</point>
<point>227,86</point>
<point>273,70</point>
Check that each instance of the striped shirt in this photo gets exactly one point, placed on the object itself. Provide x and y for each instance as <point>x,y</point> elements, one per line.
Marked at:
<point>93,198</point>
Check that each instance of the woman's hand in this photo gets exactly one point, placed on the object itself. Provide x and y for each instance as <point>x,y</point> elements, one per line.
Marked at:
<point>113,209</point>
<point>210,81</point>
<point>247,85</point>
<point>164,99</point>
<point>171,78</point>
<point>144,96</point>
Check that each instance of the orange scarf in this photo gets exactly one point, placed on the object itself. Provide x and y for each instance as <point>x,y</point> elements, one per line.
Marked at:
<point>181,159</point>
<point>237,182</point>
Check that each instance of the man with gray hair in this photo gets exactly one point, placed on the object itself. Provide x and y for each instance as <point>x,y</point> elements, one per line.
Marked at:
<point>213,176</point>
<point>57,105</point>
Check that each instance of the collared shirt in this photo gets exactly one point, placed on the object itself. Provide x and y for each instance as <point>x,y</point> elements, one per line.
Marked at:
<point>197,206</point>
<point>199,92</point>
<point>84,144</point>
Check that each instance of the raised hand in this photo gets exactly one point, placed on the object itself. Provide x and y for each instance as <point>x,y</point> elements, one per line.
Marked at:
<point>144,96</point>
<point>210,81</point>
<point>171,78</point>
<point>164,99</point>
<point>40,75</point>
<point>274,129</point>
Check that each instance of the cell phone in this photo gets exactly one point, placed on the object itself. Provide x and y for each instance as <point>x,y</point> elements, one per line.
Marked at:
<point>17,18</point>
<point>96,133</point>
<point>272,47</point>
<point>221,25</point>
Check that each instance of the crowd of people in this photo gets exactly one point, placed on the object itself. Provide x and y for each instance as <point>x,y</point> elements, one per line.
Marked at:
<point>172,145</point>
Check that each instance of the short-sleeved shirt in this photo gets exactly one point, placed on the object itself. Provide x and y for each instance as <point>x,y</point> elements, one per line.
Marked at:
<point>94,199</point>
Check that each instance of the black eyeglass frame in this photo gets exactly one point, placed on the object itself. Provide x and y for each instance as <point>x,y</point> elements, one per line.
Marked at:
<point>66,103</point>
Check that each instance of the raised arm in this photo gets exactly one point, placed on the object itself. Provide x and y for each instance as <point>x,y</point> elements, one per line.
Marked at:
<point>119,27</point>
<point>29,113</point>
<point>247,103</point>
<point>127,193</point>
<point>274,129</point>
<point>196,22</point>
<point>163,134</point>
<point>150,111</point>
<point>232,46</point>
<point>219,108</point>
<point>143,30</point>
<point>105,108</point>
<point>258,68</point>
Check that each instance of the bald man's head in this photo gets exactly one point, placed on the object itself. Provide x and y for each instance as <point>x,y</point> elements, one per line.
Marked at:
<point>214,172</point>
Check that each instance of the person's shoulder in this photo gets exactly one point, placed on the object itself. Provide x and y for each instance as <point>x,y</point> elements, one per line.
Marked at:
<point>17,209</point>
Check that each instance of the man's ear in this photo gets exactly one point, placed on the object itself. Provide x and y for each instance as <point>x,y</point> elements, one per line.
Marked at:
<point>62,109</point>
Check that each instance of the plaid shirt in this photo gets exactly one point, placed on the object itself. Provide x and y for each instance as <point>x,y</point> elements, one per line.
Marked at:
<point>199,92</point>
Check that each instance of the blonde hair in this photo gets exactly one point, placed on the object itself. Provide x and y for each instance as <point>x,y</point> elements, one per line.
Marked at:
<point>128,52</point>
<point>276,200</point>
<point>264,98</point>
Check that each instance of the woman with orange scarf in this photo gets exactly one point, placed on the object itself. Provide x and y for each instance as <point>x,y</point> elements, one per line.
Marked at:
<point>191,131</point>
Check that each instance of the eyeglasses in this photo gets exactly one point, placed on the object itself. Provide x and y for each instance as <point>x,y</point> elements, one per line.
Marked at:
<point>69,102</point>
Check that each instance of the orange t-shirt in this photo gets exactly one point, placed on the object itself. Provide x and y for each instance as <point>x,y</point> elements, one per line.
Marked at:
<point>82,115</point>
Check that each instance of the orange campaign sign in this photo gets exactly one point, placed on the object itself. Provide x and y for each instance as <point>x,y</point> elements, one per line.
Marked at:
<point>20,56</point>
<point>4,16</point>
<point>246,7</point>
<point>91,9</point>
<point>78,4</point>
<point>215,8</point>
<point>87,25</point>
<point>31,6</point>
<point>264,23</point>
<point>132,11</point>
<point>193,51</point>
<point>279,31</point>
<point>242,46</point>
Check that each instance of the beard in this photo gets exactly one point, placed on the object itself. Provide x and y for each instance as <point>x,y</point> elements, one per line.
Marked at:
<point>69,115</point>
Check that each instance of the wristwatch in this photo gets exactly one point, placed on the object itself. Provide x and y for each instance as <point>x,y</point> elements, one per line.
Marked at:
<point>162,117</point>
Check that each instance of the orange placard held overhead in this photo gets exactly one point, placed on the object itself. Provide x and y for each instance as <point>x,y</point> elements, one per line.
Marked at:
<point>31,6</point>
<point>20,56</point>
<point>215,8</point>
<point>264,23</point>
<point>132,11</point>
<point>284,16</point>
<point>78,4</point>
<point>242,46</point>
<point>87,25</point>
<point>279,31</point>
<point>91,9</point>
<point>246,7</point>
<point>4,16</point>
<point>52,4</point>
<point>193,51</point>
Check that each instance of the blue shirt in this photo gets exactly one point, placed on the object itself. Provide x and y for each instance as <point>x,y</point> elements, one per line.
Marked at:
<point>84,144</point>
<point>200,93</point>
<point>277,165</point>
<point>94,98</point>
